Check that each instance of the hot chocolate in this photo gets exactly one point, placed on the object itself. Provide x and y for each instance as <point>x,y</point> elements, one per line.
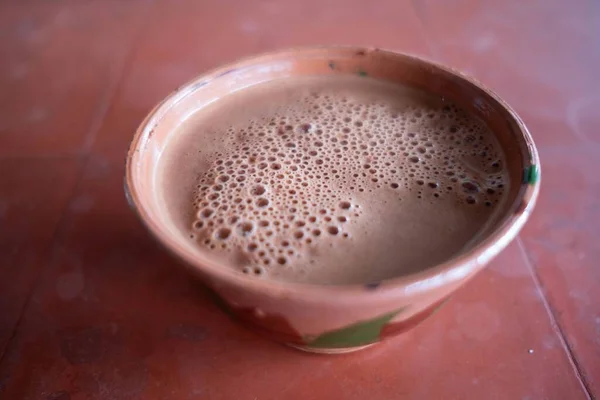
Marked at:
<point>331,180</point>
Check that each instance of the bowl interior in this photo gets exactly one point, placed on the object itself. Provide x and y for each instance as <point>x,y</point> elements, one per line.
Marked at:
<point>156,131</point>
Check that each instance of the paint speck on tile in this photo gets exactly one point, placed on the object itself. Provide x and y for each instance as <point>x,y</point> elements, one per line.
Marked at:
<point>484,42</point>
<point>24,29</point>
<point>582,117</point>
<point>87,345</point>
<point>82,204</point>
<point>194,333</point>
<point>18,71</point>
<point>37,114</point>
<point>579,295</point>
<point>70,285</point>
<point>62,395</point>
<point>454,334</point>
<point>477,321</point>
<point>549,342</point>
<point>271,7</point>
<point>98,167</point>
<point>63,16</point>
<point>249,26</point>
<point>3,208</point>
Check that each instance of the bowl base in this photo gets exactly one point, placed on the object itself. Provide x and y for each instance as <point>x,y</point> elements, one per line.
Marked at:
<point>317,350</point>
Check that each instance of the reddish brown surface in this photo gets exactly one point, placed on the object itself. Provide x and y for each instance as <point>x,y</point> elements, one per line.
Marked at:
<point>90,308</point>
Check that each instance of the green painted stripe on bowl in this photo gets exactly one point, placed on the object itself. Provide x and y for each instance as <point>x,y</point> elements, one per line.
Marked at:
<point>531,175</point>
<point>358,334</point>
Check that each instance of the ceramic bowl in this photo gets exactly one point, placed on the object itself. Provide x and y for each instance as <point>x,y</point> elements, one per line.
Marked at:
<point>333,319</point>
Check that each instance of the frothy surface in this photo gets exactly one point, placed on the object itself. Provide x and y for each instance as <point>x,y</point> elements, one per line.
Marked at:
<point>331,180</point>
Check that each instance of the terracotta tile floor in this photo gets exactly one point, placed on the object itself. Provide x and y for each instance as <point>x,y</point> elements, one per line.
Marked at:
<point>91,309</point>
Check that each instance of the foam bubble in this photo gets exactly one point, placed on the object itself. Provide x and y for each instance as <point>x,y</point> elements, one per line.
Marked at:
<point>222,233</point>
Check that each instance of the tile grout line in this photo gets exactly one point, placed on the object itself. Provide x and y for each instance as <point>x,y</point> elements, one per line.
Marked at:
<point>96,123</point>
<point>118,73</point>
<point>554,322</point>
<point>49,247</point>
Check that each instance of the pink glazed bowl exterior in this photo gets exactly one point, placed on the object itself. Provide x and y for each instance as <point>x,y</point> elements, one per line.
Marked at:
<point>335,319</point>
